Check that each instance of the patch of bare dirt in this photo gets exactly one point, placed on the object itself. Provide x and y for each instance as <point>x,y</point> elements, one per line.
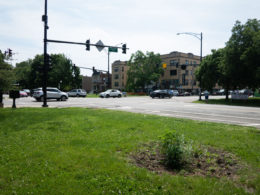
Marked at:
<point>208,162</point>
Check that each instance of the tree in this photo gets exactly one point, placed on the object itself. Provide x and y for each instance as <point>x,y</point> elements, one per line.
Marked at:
<point>208,72</point>
<point>242,56</point>
<point>144,69</point>
<point>62,73</point>
<point>22,73</point>
<point>238,64</point>
<point>6,77</point>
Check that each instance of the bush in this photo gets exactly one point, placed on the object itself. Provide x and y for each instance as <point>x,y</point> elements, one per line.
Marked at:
<point>177,151</point>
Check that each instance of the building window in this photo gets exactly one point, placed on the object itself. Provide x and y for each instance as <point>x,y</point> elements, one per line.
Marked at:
<point>183,79</point>
<point>116,84</point>
<point>186,62</point>
<point>186,72</point>
<point>116,76</point>
<point>116,69</point>
<point>194,62</point>
<point>122,69</point>
<point>173,72</point>
<point>173,62</point>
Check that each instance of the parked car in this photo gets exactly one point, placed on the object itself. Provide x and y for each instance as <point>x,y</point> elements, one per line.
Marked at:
<point>111,93</point>
<point>221,92</point>
<point>174,92</point>
<point>23,94</point>
<point>185,94</point>
<point>52,93</point>
<point>27,91</point>
<point>161,93</point>
<point>77,93</point>
<point>205,93</point>
<point>246,91</point>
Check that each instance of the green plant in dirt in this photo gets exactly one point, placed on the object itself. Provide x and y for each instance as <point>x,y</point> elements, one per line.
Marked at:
<point>176,149</point>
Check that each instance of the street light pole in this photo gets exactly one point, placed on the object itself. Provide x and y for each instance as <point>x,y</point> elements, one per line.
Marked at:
<point>198,36</point>
<point>108,79</point>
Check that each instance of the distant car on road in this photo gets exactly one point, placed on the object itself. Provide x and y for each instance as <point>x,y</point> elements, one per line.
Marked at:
<point>173,92</point>
<point>185,94</point>
<point>205,93</point>
<point>23,94</point>
<point>221,92</point>
<point>246,91</point>
<point>52,93</point>
<point>111,93</point>
<point>161,93</point>
<point>77,93</point>
<point>27,91</point>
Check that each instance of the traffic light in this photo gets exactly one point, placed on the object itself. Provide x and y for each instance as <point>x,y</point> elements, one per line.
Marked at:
<point>49,62</point>
<point>124,49</point>
<point>93,68</point>
<point>88,45</point>
<point>10,53</point>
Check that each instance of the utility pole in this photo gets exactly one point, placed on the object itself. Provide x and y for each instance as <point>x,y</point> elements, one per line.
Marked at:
<point>45,67</point>
<point>108,79</point>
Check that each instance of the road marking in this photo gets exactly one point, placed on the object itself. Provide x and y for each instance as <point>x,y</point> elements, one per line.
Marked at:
<point>207,114</point>
<point>209,119</point>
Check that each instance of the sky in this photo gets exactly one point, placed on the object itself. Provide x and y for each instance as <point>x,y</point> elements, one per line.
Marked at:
<point>146,25</point>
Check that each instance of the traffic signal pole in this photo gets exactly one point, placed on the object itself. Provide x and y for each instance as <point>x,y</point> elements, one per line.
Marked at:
<point>45,71</point>
<point>45,54</point>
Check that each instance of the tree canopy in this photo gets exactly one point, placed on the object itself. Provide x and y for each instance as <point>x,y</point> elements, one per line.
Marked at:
<point>144,69</point>
<point>6,74</point>
<point>63,73</point>
<point>237,65</point>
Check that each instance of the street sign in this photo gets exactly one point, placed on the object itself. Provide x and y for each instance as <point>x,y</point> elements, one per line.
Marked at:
<point>100,45</point>
<point>112,49</point>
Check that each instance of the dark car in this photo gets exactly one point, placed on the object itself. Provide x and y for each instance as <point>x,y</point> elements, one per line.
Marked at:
<point>161,94</point>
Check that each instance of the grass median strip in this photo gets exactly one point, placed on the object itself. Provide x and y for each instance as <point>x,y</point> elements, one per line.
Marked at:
<point>88,151</point>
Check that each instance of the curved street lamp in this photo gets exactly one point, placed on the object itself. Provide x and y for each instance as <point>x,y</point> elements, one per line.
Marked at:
<point>198,36</point>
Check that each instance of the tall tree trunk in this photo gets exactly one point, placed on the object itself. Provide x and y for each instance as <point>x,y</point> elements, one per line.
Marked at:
<point>1,99</point>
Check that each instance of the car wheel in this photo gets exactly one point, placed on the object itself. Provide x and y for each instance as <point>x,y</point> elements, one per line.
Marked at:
<point>107,96</point>
<point>63,98</point>
<point>41,98</point>
<point>119,96</point>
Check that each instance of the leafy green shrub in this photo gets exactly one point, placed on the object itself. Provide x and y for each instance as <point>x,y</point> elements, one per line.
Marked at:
<point>176,149</point>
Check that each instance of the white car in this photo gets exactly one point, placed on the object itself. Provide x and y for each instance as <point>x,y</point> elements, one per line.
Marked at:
<point>77,93</point>
<point>52,93</point>
<point>111,93</point>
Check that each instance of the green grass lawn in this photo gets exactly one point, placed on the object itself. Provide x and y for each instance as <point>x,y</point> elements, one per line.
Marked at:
<point>86,151</point>
<point>253,102</point>
<point>92,95</point>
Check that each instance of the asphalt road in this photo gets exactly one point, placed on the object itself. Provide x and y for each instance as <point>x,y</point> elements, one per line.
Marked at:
<point>180,107</point>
